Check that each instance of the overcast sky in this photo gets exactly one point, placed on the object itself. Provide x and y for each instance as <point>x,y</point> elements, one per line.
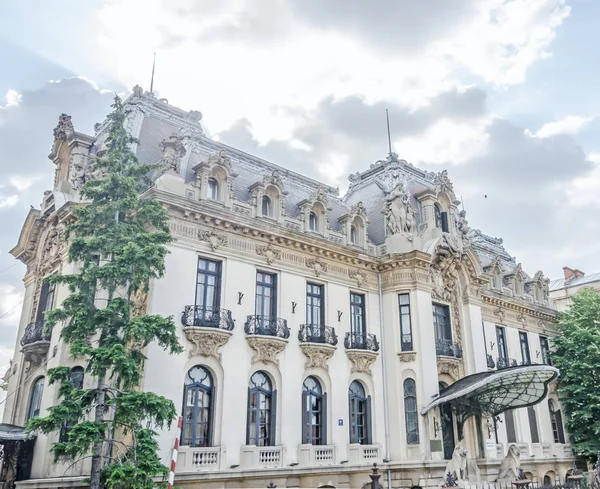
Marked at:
<point>502,93</point>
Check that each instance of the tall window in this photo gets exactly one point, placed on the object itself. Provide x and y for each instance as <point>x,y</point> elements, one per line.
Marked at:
<point>502,350</point>
<point>357,314</point>
<point>267,209</point>
<point>208,290</point>
<point>77,376</point>
<point>410,412</point>
<point>212,191</point>
<point>314,413</point>
<point>438,215</point>
<point>46,302</point>
<point>360,414</point>
<point>261,411</point>
<point>353,235</point>
<point>197,408</point>
<point>511,433</point>
<point>445,226</point>
<point>405,327</point>
<point>545,347</point>
<point>313,222</point>
<point>533,428</point>
<point>558,433</point>
<point>35,401</point>
<point>524,342</point>
<point>441,322</point>
<point>266,295</point>
<point>315,308</point>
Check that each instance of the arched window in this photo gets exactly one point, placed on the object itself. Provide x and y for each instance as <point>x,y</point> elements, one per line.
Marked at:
<point>438,215</point>
<point>314,413</point>
<point>261,411</point>
<point>267,209</point>
<point>197,408</point>
<point>410,412</point>
<point>313,222</point>
<point>212,192</point>
<point>360,414</point>
<point>35,401</point>
<point>558,433</point>
<point>353,235</point>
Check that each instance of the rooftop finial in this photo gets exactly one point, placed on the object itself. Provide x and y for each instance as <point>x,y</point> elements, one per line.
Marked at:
<point>387,117</point>
<point>152,78</point>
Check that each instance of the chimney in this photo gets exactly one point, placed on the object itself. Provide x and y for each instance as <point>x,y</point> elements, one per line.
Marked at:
<point>571,274</point>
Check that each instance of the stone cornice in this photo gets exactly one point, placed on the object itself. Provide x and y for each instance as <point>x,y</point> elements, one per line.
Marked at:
<point>539,312</point>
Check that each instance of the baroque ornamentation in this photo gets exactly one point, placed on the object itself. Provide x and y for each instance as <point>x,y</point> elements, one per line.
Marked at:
<point>82,169</point>
<point>359,276</point>
<point>140,303</point>
<point>213,239</point>
<point>406,357</point>
<point>273,179</point>
<point>522,319</point>
<point>442,183</point>
<point>206,342</point>
<point>266,349</point>
<point>318,265</point>
<point>317,355</point>
<point>173,150</point>
<point>499,311</point>
<point>361,360</point>
<point>448,366</point>
<point>270,253</point>
<point>400,217</point>
<point>220,158</point>
<point>64,129</point>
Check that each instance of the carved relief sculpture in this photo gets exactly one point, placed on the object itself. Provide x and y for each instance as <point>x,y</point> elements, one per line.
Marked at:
<point>270,253</point>
<point>213,239</point>
<point>266,350</point>
<point>400,216</point>
<point>361,360</point>
<point>317,355</point>
<point>509,468</point>
<point>206,342</point>
<point>318,265</point>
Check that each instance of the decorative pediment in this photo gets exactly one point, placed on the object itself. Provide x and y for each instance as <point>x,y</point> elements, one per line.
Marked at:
<point>442,183</point>
<point>26,248</point>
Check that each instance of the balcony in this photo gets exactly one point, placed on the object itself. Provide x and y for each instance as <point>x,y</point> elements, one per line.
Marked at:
<point>363,454</point>
<point>35,343</point>
<point>446,348</point>
<point>318,343</point>
<point>207,329</point>
<point>198,459</point>
<point>267,336</point>
<point>311,455</point>
<point>361,349</point>
<point>503,362</point>
<point>253,457</point>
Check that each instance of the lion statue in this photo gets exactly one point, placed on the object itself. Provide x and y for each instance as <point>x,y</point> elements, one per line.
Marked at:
<point>457,464</point>
<point>509,468</point>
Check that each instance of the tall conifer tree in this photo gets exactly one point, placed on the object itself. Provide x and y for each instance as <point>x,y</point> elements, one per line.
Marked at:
<point>118,240</point>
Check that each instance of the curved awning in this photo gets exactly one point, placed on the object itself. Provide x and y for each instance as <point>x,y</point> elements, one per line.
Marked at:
<point>11,432</point>
<point>492,393</point>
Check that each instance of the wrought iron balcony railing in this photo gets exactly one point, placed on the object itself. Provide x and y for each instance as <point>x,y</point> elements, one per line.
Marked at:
<point>267,326</point>
<point>504,362</point>
<point>361,341</point>
<point>490,362</point>
<point>407,342</point>
<point>207,317</point>
<point>317,333</point>
<point>34,332</point>
<point>447,348</point>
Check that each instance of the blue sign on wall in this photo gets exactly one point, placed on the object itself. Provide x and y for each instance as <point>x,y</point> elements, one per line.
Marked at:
<point>340,422</point>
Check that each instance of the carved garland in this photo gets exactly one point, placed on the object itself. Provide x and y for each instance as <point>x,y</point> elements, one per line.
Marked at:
<point>270,253</point>
<point>266,350</point>
<point>317,355</point>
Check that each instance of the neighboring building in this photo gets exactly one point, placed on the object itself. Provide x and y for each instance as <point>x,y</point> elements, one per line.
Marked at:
<point>322,333</point>
<point>561,290</point>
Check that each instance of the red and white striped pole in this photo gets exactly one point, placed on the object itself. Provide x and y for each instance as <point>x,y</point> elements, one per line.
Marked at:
<point>175,450</point>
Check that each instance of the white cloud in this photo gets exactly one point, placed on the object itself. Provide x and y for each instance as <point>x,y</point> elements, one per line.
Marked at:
<point>13,98</point>
<point>585,191</point>
<point>8,201</point>
<point>571,125</point>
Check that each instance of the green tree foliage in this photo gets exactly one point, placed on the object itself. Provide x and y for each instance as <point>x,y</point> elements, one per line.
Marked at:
<point>576,352</point>
<point>118,240</point>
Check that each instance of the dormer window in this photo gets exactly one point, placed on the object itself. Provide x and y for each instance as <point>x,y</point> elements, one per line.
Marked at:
<point>353,235</point>
<point>267,208</point>
<point>212,192</point>
<point>438,215</point>
<point>313,222</point>
<point>518,285</point>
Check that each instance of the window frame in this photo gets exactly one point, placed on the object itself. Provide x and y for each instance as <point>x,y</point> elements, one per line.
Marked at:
<point>213,189</point>
<point>359,412</point>
<point>411,415</point>
<point>315,302</point>
<point>269,396</point>
<point>261,287</point>
<point>268,203</point>
<point>309,426</point>
<point>545,350</point>
<point>353,234</point>
<point>406,339</point>
<point>437,215</point>
<point>501,335</point>
<point>358,314</point>
<point>446,319</point>
<point>206,390</point>
<point>313,222</point>
<point>35,398</point>
<point>203,311</point>
<point>524,346</point>
<point>68,425</point>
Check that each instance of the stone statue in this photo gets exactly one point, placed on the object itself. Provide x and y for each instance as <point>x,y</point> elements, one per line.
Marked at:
<point>83,169</point>
<point>458,464</point>
<point>509,468</point>
<point>400,216</point>
<point>442,182</point>
<point>173,150</point>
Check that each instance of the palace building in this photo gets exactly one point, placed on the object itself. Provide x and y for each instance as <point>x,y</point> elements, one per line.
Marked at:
<point>322,332</point>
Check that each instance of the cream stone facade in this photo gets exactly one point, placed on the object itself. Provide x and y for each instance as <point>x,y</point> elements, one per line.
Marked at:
<point>562,290</point>
<point>317,328</point>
